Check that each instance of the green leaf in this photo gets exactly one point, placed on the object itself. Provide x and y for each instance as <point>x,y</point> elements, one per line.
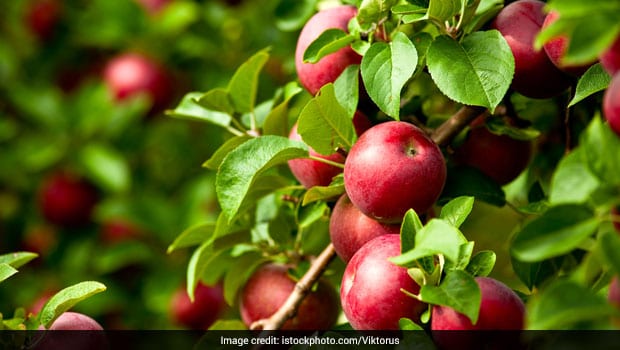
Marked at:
<point>293,14</point>
<point>17,259</point>
<point>406,324</point>
<point>385,70</point>
<point>192,236</point>
<point>443,10</point>
<point>457,210</point>
<point>6,271</point>
<point>228,325</point>
<point>565,305</point>
<point>217,99</point>
<point>572,181</point>
<point>558,231</point>
<point>66,299</point>
<point>106,167</point>
<point>595,79</point>
<point>437,237</point>
<point>239,273</point>
<point>317,193</point>
<point>189,108</point>
<point>276,122</point>
<point>374,11</point>
<point>244,83</point>
<point>408,230</point>
<point>610,245</point>
<point>458,290</point>
<point>328,42</point>
<point>468,181</point>
<point>347,89</point>
<point>476,71</point>
<point>218,157</point>
<point>324,125</point>
<point>597,141</point>
<point>481,264</point>
<point>499,127</point>
<point>537,273</point>
<point>243,166</point>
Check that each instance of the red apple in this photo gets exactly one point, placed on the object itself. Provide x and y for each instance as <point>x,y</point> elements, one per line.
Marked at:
<point>535,75</point>
<point>118,230</point>
<point>350,229</point>
<point>130,74</point>
<point>556,48</point>
<point>314,75</point>
<point>370,293</point>
<point>208,306</point>
<point>90,335</point>
<point>268,289</point>
<point>500,157</point>
<point>611,104</point>
<point>610,58</point>
<point>67,200</point>
<point>42,17</point>
<point>153,6</point>
<point>312,173</point>
<point>393,167</point>
<point>614,292</point>
<point>74,321</point>
<point>500,309</point>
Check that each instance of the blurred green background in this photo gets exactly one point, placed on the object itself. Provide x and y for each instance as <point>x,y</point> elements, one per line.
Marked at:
<point>57,114</point>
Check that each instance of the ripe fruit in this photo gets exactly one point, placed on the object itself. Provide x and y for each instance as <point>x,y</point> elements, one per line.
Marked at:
<point>67,200</point>
<point>75,321</point>
<point>614,292</point>
<point>350,229</point>
<point>153,6</point>
<point>370,293</point>
<point>327,70</point>
<point>94,339</point>
<point>270,286</point>
<point>131,73</point>
<point>207,307</point>
<point>535,76</point>
<point>610,58</point>
<point>42,16</point>
<point>118,230</point>
<point>391,168</point>
<point>611,104</point>
<point>500,309</point>
<point>500,157</point>
<point>314,173</point>
<point>556,48</point>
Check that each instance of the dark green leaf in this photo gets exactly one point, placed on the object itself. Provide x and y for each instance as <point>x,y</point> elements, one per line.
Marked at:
<point>610,245</point>
<point>499,127</point>
<point>324,124</point>
<point>192,236</point>
<point>597,141</point>
<point>243,166</point>
<point>239,273</point>
<point>409,228</point>
<point>218,100</point>
<point>221,153</point>
<point>385,70</point>
<point>328,42</point>
<point>457,210</point>
<point>66,299</point>
<point>458,290</point>
<point>467,181</point>
<point>481,264</point>
<point>476,71</point>
<point>276,122</point>
<point>595,79</point>
<point>558,231</point>
<point>537,273</point>
<point>293,14</point>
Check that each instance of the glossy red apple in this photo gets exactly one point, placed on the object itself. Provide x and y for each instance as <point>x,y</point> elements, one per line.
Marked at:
<point>67,200</point>
<point>314,75</point>
<point>393,167</point>
<point>208,306</point>
<point>130,74</point>
<point>350,229</point>
<point>268,289</point>
<point>42,17</point>
<point>611,104</point>
<point>535,75</point>
<point>118,230</point>
<point>370,292</point>
<point>312,173</point>
<point>90,335</point>
<point>610,58</point>
<point>556,49</point>
<point>500,157</point>
<point>69,321</point>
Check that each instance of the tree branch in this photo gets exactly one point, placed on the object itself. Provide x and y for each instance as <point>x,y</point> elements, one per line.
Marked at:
<point>442,136</point>
<point>302,288</point>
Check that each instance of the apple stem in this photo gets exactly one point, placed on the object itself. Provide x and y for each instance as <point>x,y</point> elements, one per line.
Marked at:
<point>327,161</point>
<point>302,288</point>
<point>442,136</point>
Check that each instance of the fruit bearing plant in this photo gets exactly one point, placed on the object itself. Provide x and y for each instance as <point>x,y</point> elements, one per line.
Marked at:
<point>469,104</point>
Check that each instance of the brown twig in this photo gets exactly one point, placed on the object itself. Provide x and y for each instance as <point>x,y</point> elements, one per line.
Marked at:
<point>442,136</point>
<point>302,288</point>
